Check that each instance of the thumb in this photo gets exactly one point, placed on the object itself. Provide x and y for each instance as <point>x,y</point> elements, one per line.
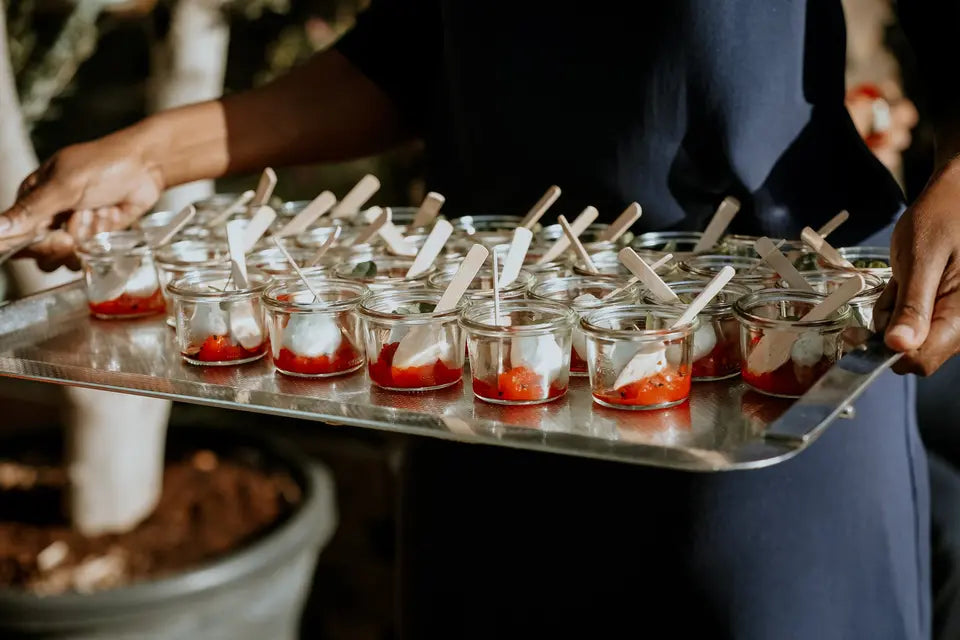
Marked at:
<point>916,294</point>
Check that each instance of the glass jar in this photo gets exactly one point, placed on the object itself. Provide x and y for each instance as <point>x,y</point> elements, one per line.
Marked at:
<point>815,347</point>
<point>217,327</point>
<point>471,225</point>
<point>210,208</point>
<point>582,294</point>
<point>272,262</point>
<point>560,267</point>
<point>481,287</point>
<point>752,273</point>
<point>861,305</point>
<point>609,266</point>
<point>246,214</point>
<point>716,343</point>
<point>657,244</point>
<point>121,278</point>
<point>872,260</point>
<point>314,337</point>
<point>431,357</point>
<point>635,359</point>
<point>180,258</point>
<point>341,252</point>
<point>390,273</point>
<point>153,224</point>
<point>551,233</point>
<point>523,359</point>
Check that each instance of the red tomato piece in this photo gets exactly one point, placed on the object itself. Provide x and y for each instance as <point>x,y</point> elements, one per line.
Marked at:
<point>130,306</point>
<point>222,349</point>
<point>344,359</point>
<point>385,374</point>
<point>663,388</point>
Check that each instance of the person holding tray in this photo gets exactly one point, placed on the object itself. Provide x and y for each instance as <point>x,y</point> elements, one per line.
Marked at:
<point>674,105</point>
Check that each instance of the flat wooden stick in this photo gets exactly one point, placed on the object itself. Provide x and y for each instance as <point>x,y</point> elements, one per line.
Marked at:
<point>580,224</point>
<point>545,202</point>
<point>648,276</point>
<point>623,222</point>
<point>232,208</point>
<point>431,248</point>
<point>461,280</point>
<point>832,224</point>
<point>513,261</point>
<point>634,280</point>
<point>774,347</point>
<point>329,242</point>
<point>577,245</point>
<point>236,239</point>
<point>257,226</point>
<point>429,209</point>
<point>356,197</point>
<point>706,295</point>
<point>175,226</point>
<point>816,242</point>
<point>718,224</point>
<point>268,182</point>
<point>367,233</point>
<point>775,258</point>
<point>310,214</point>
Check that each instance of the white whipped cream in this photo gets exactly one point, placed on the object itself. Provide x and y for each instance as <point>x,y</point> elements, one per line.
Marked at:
<point>312,335</point>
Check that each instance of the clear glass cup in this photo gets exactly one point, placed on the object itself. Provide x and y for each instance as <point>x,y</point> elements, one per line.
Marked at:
<point>390,273</point>
<point>583,294</point>
<point>815,346</point>
<point>314,337</point>
<point>560,267</point>
<point>217,327</point>
<point>475,224</point>
<point>716,342</point>
<point>432,355</point>
<point>525,357</point>
<point>635,359</point>
<point>481,287</point>
<point>246,214</point>
<point>121,278</point>
<point>152,225</point>
<point>341,252</point>
<point>290,209</point>
<point>551,233</point>
<point>272,262</point>
<point>742,245</point>
<point>609,266</point>
<point>210,208</point>
<point>872,260</point>
<point>657,244</point>
<point>181,258</point>
<point>861,305</point>
<point>752,273</point>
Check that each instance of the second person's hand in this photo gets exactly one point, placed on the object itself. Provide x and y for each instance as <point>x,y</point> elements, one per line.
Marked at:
<point>83,189</point>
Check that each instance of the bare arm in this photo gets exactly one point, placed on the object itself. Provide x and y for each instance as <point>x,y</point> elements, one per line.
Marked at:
<point>324,111</point>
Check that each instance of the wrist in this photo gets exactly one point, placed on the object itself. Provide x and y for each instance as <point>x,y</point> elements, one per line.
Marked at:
<point>151,144</point>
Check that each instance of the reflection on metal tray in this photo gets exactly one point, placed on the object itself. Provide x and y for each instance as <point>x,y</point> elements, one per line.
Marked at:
<point>50,337</point>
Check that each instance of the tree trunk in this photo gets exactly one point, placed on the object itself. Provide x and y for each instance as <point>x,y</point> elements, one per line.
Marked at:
<point>189,66</point>
<point>116,441</point>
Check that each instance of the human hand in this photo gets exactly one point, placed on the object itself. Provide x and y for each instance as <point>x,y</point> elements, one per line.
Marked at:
<point>80,191</point>
<point>922,300</point>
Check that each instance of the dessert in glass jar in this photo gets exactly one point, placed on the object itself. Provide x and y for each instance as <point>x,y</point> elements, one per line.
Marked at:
<point>343,250</point>
<point>383,273</point>
<point>825,281</point>
<point>218,326</point>
<point>121,278</point>
<point>180,258</point>
<point>716,343</point>
<point>272,262</point>
<point>636,358</point>
<point>872,260</point>
<point>752,273</point>
<point>154,224</point>
<point>522,357</point>
<point>481,287</point>
<point>609,266</point>
<point>409,346</point>
<point>810,348</point>
<point>583,294</point>
<point>559,267</point>
<point>314,336</point>
<point>656,244</point>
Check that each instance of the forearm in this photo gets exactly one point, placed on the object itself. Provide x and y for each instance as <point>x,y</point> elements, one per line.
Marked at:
<point>323,111</point>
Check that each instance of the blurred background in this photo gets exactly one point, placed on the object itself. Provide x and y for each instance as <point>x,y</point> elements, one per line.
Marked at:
<point>87,67</point>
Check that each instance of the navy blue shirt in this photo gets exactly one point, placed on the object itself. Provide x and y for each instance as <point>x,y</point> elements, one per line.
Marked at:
<point>672,104</point>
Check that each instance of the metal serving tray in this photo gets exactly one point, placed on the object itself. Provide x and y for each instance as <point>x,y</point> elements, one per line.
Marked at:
<point>50,337</point>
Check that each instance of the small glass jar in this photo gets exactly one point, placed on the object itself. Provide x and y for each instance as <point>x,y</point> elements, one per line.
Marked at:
<point>716,343</point>
<point>452,251</point>
<point>609,266</point>
<point>815,347</point>
<point>180,258</point>
<point>246,214</point>
<point>551,233</point>
<point>752,273</point>
<point>210,208</point>
<point>861,305</point>
<point>481,287</point>
<point>583,294</point>
<point>314,337</point>
<point>272,262</point>
<point>471,225</point>
<point>872,260</point>
<point>153,224</point>
<point>657,244</point>
<point>121,278</point>
<point>635,358</point>
<point>560,267</point>
<point>390,273</point>
<point>408,346</point>
<point>217,327</point>
<point>343,251</point>
<point>525,357</point>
